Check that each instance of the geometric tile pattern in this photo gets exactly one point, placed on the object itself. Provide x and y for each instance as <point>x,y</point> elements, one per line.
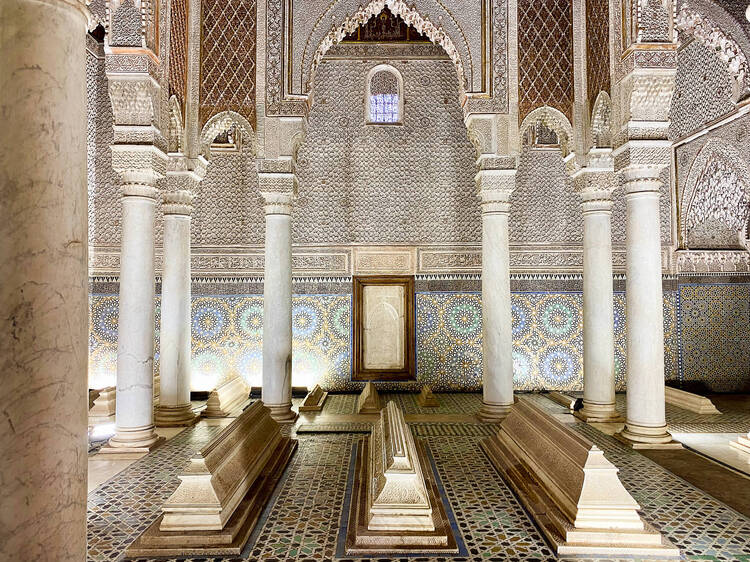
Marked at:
<point>227,333</point>
<point>597,49</point>
<point>124,506</point>
<point>227,339</point>
<point>303,521</point>
<point>228,58</point>
<point>545,56</point>
<point>547,340</point>
<point>714,335</point>
<point>450,403</point>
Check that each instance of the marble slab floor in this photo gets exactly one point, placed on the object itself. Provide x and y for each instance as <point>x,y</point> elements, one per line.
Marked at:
<point>304,518</point>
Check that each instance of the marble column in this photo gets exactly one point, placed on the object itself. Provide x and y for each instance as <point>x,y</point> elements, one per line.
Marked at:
<point>277,307</point>
<point>646,421</point>
<point>174,407</point>
<point>44,289</point>
<point>598,313</point>
<point>134,418</point>
<point>495,188</point>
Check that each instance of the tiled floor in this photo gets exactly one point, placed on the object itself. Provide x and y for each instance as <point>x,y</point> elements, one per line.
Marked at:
<point>302,522</point>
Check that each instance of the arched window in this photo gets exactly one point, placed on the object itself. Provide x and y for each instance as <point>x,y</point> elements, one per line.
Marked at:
<point>385,100</point>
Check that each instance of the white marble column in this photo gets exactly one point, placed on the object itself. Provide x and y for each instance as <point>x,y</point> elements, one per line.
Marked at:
<point>174,407</point>
<point>134,418</point>
<point>598,314</point>
<point>44,288</point>
<point>646,421</point>
<point>277,307</point>
<point>495,188</point>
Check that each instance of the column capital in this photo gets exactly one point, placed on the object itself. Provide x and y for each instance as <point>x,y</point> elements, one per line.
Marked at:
<point>494,188</point>
<point>595,183</point>
<point>140,165</point>
<point>177,203</point>
<point>185,174</point>
<point>277,203</point>
<point>277,177</point>
<point>642,179</point>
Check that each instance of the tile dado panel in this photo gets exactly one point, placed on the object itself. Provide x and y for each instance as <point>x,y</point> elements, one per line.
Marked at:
<point>709,343</point>
<point>714,335</point>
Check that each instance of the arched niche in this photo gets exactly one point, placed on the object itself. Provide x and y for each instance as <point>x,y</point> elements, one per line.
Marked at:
<point>221,123</point>
<point>715,203</point>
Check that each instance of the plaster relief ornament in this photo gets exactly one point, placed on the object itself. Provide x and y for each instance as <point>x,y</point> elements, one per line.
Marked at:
<point>435,33</point>
<point>727,49</point>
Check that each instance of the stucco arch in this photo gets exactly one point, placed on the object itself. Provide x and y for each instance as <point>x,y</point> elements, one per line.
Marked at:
<point>220,123</point>
<point>703,198</point>
<point>710,24</point>
<point>554,120</point>
<point>448,36</point>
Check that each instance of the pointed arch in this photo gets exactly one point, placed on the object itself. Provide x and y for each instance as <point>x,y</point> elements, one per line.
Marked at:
<point>436,34</point>
<point>715,203</point>
<point>222,122</point>
<point>601,121</point>
<point>554,120</point>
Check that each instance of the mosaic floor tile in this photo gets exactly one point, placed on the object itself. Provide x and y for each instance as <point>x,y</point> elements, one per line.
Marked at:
<point>453,403</point>
<point>685,421</point>
<point>303,522</point>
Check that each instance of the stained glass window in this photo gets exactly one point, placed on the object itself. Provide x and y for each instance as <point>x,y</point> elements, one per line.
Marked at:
<point>384,98</point>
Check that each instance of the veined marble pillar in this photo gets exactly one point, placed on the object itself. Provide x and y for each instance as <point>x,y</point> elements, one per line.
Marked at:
<point>646,420</point>
<point>495,187</point>
<point>44,289</point>
<point>174,407</point>
<point>277,295</point>
<point>598,314</point>
<point>134,418</point>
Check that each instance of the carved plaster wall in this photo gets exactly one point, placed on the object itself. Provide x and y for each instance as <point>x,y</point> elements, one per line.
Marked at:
<point>715,203</point>
<point>104,196</point>
<point>703,89</point>
<point>727,145</point>
<point>361,183</point>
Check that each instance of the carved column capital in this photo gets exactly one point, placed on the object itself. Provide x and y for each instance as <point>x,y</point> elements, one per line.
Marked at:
<point>140,167</point>
<point>277,184</point>
<point>185,174</point>
<point>177,203</point>
<point>494,188</point>
<point>277,203</point>
<point>642,179</point>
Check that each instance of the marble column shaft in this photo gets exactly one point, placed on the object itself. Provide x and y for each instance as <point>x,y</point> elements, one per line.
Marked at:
<point>277,307</point>
<point>44,289</point>
<point>174,407</point>
<point>598,313</point>
<point>495,188</point>
<point>646,421</point>
<point>135,330</point>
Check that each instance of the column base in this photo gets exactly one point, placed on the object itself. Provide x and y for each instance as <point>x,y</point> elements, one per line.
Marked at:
<point>282,413</point>
<point>647,437</point>
<point>133,440</point>
<point>593,412</point>
<point>493,413</point>
<point>175,416</point>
